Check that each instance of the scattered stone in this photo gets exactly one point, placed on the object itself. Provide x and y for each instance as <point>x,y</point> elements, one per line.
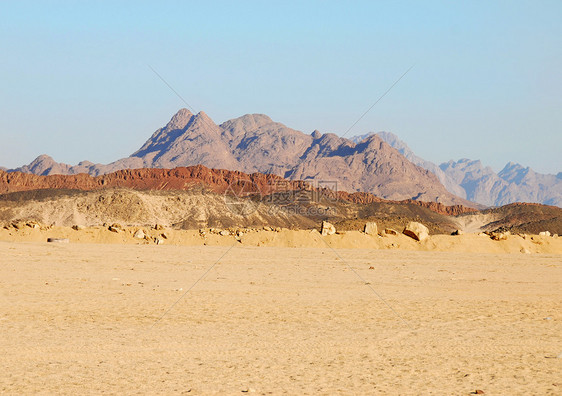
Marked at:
<point>267,228</point>
<point>500,236</point>
<point>371,267</point>
<point>390,231</point>
<point>139,234</point>
<point>164,235</point>
<point>544,233</point>
<point>77,227</point>
<point>58,240</point>
<point>555,235</point>
<point>158,227</point>
<point>33,224</point>
<point>115,227</point>
<point>416,230</point>
<point>478,392</point>
<point>457,232</point>
<point>371,228</point>
<point>224,233</point>
<point>158,241</point>
<point>525,251</point>
<point>327,229</point>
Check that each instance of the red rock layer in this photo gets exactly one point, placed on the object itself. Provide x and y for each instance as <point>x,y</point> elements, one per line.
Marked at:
<point>186,178</point>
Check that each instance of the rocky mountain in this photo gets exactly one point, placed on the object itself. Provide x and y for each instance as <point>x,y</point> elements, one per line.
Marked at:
<point>403,149</point>
<point>471,180</point>
<point>255,143</point>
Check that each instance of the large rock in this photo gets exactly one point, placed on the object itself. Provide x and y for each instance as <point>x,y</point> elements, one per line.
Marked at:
<point>327,228</point>
<point>416,230</point>
<point>371,228</point>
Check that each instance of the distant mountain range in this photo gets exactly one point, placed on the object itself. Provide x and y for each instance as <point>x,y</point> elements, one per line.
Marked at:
<point>473,181</point>
<point>380,163</point>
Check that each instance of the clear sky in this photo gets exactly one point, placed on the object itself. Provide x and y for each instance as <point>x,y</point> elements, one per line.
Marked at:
<point>486,83</point>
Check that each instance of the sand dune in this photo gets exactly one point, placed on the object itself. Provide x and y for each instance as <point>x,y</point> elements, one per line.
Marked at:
<point>83,318</point>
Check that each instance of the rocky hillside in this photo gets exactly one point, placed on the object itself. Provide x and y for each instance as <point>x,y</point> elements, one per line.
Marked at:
<point>517,218</point>
<point>197,196</point>
<point>264,187</point>
<point>255,143</point>
<point>197,207</point>
<point>478,183</point>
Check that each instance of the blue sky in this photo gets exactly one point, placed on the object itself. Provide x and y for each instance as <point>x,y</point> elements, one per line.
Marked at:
<point>486,81</point>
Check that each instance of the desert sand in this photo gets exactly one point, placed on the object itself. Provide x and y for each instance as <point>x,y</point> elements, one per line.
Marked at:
<point>120,318</point>
<point>281,237</point>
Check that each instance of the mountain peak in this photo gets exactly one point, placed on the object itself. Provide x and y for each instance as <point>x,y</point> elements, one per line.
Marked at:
<point>512,166</point>
<point>359,138</point>
<point>44,165</point>
<point>180,119</point>
<point>42,158</point>
<point>514,172</point>
<point>202,120</point>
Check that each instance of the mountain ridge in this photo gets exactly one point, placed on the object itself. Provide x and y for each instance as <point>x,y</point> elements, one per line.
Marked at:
<point>256,143</point>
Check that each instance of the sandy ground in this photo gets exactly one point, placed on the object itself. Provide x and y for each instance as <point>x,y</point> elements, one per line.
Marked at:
<point>467,243</point>
<point>84,319</point>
